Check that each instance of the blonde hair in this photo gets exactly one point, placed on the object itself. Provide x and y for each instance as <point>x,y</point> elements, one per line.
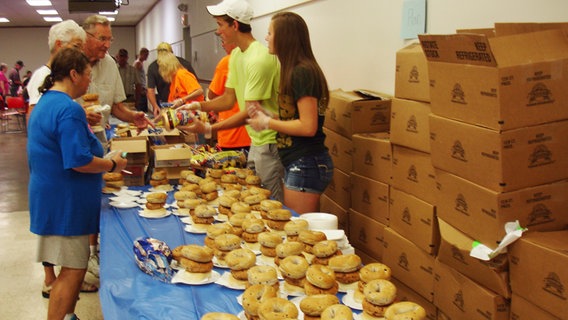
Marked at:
<point>168,65</point>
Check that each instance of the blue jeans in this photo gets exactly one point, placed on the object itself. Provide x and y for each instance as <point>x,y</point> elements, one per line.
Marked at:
<point>309,173</point>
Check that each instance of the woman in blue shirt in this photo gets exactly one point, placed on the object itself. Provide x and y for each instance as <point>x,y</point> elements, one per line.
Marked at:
<point>66,164</point>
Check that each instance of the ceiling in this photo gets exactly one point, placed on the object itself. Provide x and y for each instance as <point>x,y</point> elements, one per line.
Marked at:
<point>21,14</point>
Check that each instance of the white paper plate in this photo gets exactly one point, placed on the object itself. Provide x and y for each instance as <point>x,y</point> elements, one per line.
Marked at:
<point>151,215</point>
<point>186,220</point>
<point>132,193</point>
<point>185,277</point>
<point>349,300</point>
<point>124,198</point>
<point>183,212</point>
<point>221,217</point>
<point>227,280</point>
<point>124,205</point>
<point>254,247</point>
<point>220,264</point>
<point>348,287</point>
<point>289,290</point>
<point>241,315</point>
<point>192,228</point>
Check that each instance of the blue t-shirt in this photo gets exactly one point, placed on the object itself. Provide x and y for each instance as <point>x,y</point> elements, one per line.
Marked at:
<point>62,201</point>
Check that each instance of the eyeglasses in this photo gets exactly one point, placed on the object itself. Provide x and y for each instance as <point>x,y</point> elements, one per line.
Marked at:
<point>102,38</point>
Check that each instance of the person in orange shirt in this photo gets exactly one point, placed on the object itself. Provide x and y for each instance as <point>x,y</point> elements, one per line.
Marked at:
<point>230,139</point>
<point>184,87</point>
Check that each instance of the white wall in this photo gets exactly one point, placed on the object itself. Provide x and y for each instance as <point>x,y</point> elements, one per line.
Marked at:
<point>30,45</point>
<point>356,41</point>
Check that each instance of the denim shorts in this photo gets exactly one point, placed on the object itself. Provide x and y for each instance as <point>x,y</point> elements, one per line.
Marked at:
<point>309,174</point>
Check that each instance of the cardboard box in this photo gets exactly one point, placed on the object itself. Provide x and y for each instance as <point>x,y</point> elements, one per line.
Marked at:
<point>349,112</point>
<point>500,82</point>
<point>415,220</point>
<point>405,293</point>
<point>462,298</point>
<point>161,138</point>
<point>411,77</point>
<point>372,156</point>
<point>410,124</point>
<point>172,155</point>
<point>413,173</point>
<point>339,189</point>
<point>366,234</point>
<point>137,148</point>
<point>365,257</point>
<point>409,264</point>
<point>501,161</point>
<point>370,198</point>
<point>538,263</point>
<point>329,206</point>
<point>454,250</point>
<point>138,176</point>
<point>521,309</point>
<point>340,150</point>
<point>481,213</point>
<point>511,28</point>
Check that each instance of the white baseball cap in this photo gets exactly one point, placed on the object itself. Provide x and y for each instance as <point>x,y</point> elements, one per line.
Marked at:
<point>239,10</point>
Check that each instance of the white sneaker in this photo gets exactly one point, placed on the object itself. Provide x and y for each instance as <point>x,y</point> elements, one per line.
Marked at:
<point>93,266</point>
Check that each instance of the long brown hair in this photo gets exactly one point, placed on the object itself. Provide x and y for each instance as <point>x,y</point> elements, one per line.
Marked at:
<point>293,47</point>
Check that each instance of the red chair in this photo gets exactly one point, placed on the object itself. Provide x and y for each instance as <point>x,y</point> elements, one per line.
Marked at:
<point>17,107</point>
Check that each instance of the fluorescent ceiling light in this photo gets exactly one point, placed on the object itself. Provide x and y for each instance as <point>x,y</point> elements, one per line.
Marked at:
<point>39,3</point>
<point>4,20</point>
<point>111,19</point>
<point>50,12</point>
<point>52,19</point>
<point>109,13</point>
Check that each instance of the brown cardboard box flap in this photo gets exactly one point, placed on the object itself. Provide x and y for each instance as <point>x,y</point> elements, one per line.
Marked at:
<point>464,48</point>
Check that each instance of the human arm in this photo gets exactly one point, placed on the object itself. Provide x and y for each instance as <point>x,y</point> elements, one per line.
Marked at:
<point>98,165</point>
<point>152,98</point>
<point>223,102</point>
<point>236,120</point>
<point>139,118</point>
<point>192,96</point>
<point>305,126</point>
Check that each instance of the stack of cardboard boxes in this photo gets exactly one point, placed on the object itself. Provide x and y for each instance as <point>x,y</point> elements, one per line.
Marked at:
<point>352,114</point>
<point>499,146</point>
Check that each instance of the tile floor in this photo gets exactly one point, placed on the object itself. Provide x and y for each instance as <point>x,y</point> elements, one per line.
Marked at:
<point>22,277</point>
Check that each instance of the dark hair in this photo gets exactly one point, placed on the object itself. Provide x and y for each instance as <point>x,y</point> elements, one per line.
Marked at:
<point>293,48</point>
<point>243,27</point>
<point>65,60</point>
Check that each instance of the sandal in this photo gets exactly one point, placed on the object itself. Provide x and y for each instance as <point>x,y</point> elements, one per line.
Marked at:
<point>46,291</point>
<point>87,287</point>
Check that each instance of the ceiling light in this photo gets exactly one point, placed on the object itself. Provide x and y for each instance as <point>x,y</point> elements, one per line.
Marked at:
<point>39,3</point>
<point>52,19</point>
<point>109,13</point>
<point>50,12</point>
<point>2,20</point>
<point>111,19</point>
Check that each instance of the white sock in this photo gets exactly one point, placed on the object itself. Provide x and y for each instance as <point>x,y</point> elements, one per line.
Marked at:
<point>93,249</point>
<point>69,316</point>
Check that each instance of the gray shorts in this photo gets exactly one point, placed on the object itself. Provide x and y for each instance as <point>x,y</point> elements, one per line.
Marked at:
<point>66,251</point>
<point>265,161</point>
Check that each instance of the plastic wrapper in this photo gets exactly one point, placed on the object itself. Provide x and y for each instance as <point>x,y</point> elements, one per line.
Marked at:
<point>219,160</point>
<point>153,256</point>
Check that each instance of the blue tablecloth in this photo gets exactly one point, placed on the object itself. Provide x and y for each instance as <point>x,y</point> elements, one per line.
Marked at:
<point>128,293</point>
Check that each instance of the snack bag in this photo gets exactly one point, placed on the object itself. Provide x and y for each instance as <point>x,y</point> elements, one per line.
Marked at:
<point>153,256</point>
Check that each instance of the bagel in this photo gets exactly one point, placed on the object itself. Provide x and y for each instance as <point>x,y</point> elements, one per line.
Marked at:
<point>229,178</point>
<point>90,97</point>
<point>232,193</point>
<point>205,211</point>
<point>240,259</point>
<point>279,215</point>
<point>345,263</point>
<point>269,204</point>
<point>156,183</point>
<point>263,275</point>
<point>293,227</point>
<point>184,173</point>
<point>321,276</point>
<point>240,207</point>
<point>253,296</point>
<point>195,266</point>
<point>337,312</point>
<point>314,305</point>
<point>159,175</point>
<point>325,249</point>
<point>215,230</point>
<point>286,249</point>
<point>225,203</point>
<point>269,239</point>
<point>112,176</point>
<point>219,316</point>
<point>380,292</point>
<point>115,184</point>
<point>208,187</point>
<point>253,225</point>
<point>196,253</point>
<point>375,270</point>
<point>227,242</point>
<point>311,237</point>
<point>191,187</point>
<point>254,200</point>
<point>156,197</point>
<point>405,310</point>
<point>294,267</point>
<point>259,190</point>
<point>252,180</point>
<point>183,195</point>
<point>236,220</point>
<point>193,178</point>
<point>277,308</point>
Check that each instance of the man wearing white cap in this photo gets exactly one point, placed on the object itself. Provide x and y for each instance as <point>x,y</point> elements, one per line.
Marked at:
<point>252,80</point>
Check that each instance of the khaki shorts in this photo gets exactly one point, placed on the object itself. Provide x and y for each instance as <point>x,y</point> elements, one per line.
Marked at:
<point>66,251</point>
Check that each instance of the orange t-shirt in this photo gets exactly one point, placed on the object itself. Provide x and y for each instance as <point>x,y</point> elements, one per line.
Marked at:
<point>230,138</point>
<point>183,84</point>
